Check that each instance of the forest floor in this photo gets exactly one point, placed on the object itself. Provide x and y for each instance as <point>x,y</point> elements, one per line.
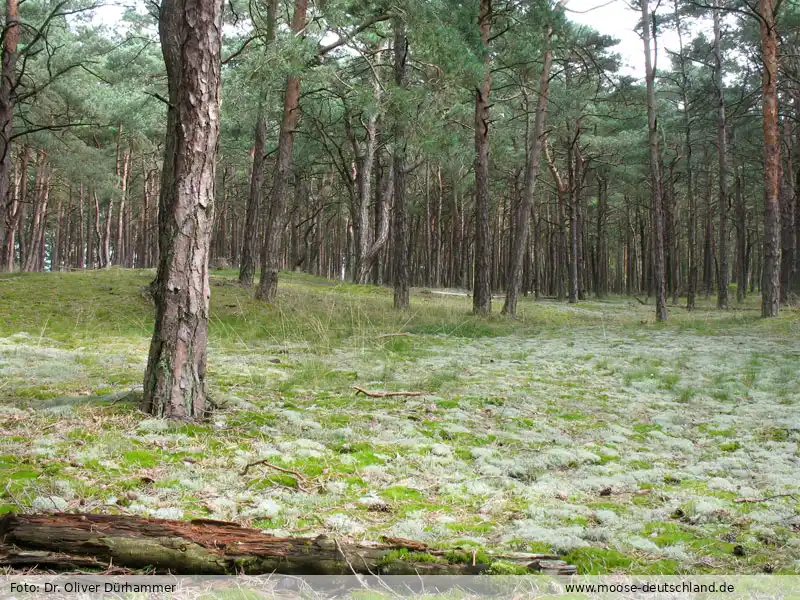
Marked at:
<point>588,430</point>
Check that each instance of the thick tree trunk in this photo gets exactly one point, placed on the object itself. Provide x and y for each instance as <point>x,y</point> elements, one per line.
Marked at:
<point>655,175</point>
<point>247,264</point>
<point>69,541</point>
<point>400,279</point>
<point>8,83</point>
<point>174,382</point>
<point>770,277</point>
<point>482,290</point>
<point>271,249</point>
<point>722,155</point>
<point>522,214</point>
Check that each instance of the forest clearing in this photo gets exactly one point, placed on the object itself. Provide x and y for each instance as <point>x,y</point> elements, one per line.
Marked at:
<point>591,431</point>
<point>408,287</point>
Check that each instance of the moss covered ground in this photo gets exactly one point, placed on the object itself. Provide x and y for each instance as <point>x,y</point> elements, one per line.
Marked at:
<point>586,430</point>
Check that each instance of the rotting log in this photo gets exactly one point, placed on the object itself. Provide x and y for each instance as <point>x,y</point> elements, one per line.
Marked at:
<point>64,541</point>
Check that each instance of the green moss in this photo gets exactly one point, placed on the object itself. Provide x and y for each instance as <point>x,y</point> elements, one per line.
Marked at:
<point>730,446</point>
<point>140,458</point>
<point>399,493</point>
<point>500,567</point>
<point>598,561</point>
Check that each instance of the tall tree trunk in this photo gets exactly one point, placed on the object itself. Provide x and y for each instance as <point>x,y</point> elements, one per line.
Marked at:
<point>741,233</point>
<point>8,83</point>
<point>15,212</point>
<point>400,282</point>
<point>722,154</point>
<point>82,243</point>
<point>655,175</point>
<point>175,379</point>
<point>770,277</point>
<point>522,214</point>
<point>787,218</point>
<point>482,290</point>
<point>271,249</point>
<point>119,237</point>
<point>247,265</point>
<point>691,290</point>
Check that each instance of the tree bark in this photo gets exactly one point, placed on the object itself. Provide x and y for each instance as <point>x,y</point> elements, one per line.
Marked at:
<point>271,250</point>
<point>200,547</point>
<point>8,83</point>
<point>400,277</point>
<point>522,214</point>
<point>247,264</point>
<point>722,155</point>
<point>770,275</point>
<point>482,290</point>
<point>655,175</point>
<point>175,379</point>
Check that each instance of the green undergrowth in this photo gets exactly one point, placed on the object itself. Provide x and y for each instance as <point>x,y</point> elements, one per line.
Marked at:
<point>588,431</point>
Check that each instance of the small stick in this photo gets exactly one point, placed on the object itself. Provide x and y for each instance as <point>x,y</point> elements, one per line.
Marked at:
<point>765,499</point>
<point>276,467</point>
<point>386,394</point>
<point>391,335</point>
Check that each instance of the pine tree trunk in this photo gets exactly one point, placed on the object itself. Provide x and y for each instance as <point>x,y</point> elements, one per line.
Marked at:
<point>247,264</point>
<point>174,382</point>
<point>400,279</point>
<point>770,277</point>
<point>787,218</point>
<point>522,215</point>
<point>655,175</point>
<point>722,154</point>
<point>271,249</point>
<point>8,83</point>
<point>482,291</point>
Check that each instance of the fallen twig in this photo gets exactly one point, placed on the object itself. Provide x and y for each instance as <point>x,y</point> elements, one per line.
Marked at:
<point>391,335</point>
<point>386,394</point>
<point>266,463</point>
<point>764,499</point>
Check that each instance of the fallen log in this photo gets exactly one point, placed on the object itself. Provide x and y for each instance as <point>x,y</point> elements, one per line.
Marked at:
<point>202,547</point>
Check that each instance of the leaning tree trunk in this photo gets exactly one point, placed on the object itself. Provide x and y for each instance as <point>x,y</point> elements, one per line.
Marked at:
<point>247,265</point>
<point>203,547</point>
<point>770,274</point>
<point>482,290</point>
<point>175,379</point>
<point>722,154</point>
<point>400,278</point>
<point>522,216</point>
<point>655,175</point>
<point>271,249</point>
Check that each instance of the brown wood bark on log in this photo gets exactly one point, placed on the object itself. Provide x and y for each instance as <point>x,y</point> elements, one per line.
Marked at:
<point>770,274</point>
<point>174,381</point>
<point>202,547</point>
